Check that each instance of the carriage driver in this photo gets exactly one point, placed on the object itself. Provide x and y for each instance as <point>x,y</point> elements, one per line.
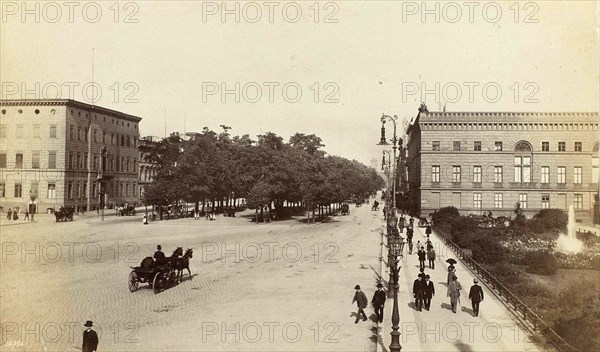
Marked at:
<point>159,256</point>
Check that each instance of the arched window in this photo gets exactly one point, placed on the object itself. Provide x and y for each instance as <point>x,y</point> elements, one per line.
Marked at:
<point>523,162</point>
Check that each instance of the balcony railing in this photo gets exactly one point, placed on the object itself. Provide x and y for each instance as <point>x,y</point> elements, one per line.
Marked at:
<point>498,185</point>
<point>476,184</point>
<point>456,184</point>
<point>537,325</point>
<point>526,185</point>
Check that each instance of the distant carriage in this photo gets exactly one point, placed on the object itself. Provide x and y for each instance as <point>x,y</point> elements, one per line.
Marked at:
<point>128,210</point>
<point>345,208</point>
<point>64,214</point>
<point>163,275</point>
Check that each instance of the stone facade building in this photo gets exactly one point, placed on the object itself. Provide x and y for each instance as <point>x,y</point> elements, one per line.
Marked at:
<point>489,161</point>
<point>147,170</point>
<point>52,150</point>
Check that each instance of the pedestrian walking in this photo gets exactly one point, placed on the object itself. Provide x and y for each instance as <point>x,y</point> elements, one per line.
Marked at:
<point>476,296</point>
<point>145,219</point>
<point>428,231</point>
<point>418,246</point>
<point>451,273</point>
<point>90,338</point>
<point>429,292</point>
<point>422,256</point>
<point>15,215</point>
<point>428,245</point>
<point>431,258</point>
<point>26,215</point>
<point>419,291</point>
<point>454,293</point>
<point>9,214</point>
<point>378,302</point>
<point>361,301</point>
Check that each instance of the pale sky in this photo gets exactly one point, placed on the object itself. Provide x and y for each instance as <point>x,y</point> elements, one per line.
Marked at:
<point>374,57</point>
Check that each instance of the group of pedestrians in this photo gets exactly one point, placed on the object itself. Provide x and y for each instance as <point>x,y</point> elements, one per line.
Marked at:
<point>14,215</point>
<point>378,303</point>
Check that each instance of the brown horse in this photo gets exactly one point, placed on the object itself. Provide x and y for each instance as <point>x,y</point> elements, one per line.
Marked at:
<point>184,263</point>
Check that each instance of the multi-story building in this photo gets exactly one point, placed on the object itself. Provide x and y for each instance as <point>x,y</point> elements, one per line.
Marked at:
<point>489,161</point>
<point>147,170</point>
<point>51,150</point>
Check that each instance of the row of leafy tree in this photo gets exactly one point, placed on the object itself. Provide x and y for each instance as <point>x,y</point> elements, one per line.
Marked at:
<point>220,168</point>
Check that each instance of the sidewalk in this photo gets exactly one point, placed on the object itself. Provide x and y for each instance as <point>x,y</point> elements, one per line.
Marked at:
<point>440,329</point>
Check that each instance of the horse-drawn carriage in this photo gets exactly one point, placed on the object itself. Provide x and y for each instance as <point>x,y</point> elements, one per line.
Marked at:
<point>375,206</point>
<point>163,275</point>
<point>64,214</point>
<point>345,208</point>
<point>126,211</point>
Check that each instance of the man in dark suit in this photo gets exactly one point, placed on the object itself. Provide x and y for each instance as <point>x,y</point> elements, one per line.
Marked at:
<point>476,296</point>
<point>422,256</point>
<point>159,256</point>
<point>378,302</point>
<point>361,301</point>
<point>429,292</point>
<point>419,291</point>
<point>90,338</point>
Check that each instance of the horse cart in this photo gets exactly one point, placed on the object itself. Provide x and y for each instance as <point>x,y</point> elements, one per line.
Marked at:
<point>345,208</point>
<point>64,214</point>
<point>159,277</point>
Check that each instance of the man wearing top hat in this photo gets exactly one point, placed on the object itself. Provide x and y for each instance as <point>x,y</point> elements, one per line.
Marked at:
<point>378,302</point>
<point>90,338</point>
<point>361,301</point>
<point>429,292</point>
<point>159,256</point>
<point>419,291</point>
<point>476,296</point>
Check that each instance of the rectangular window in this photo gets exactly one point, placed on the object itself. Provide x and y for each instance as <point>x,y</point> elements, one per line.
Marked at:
<point>70,190</point>
<point>18,190</point>
<point>36,131</point>
<point>545,201</point>
<point>477,174</point>
<point>52,159</point>
<point>85,134</point>
<point>435,145</point>
<point>523,200</point>
<point>545,177</point>
<point>51,191</point>
<point>578,201</point>
<point>562,146</point>
<point>85,160</point>
<point>112,138</point>
<point>35,160</point>
<point>2,190</point>
<point>79,160</point>
<point>562,175</point>
<point>52,131</point>
<point>498,174</point>
<point>70,163</point>
<point>577,174</point>
<point>578,146</point>
<point>19,161</point>
<point>84,191</point>
<point>477,200</point>
<point>477,146</point>
<point>2,131</point>
<point>498,199</point>
<point>522,169</point>
<point>456,173</point>
<point>498,146</point>
<point>3,160</point>
<point>545,146</point>
<point>35,189</point>
<point>19,131</point>
<point>435,173</point>
<point>71,132</point>
<point>128,141</point>
<point>95,162</point>
<point>456,145</point>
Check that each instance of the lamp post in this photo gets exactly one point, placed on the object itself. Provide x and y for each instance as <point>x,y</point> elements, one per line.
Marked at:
<point>394,141</point>
<point>396,247</point>
<point>32,207</point>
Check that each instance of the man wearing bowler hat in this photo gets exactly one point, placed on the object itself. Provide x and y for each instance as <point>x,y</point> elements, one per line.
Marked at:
<point>476,296</point>
<point>90,338</point>
<point>378,302</point>
<point>429,292</point>
<point>361,301</point>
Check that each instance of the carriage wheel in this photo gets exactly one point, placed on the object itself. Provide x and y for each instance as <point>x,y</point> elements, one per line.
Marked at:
<point>133,281</point>
<point>158,283</point>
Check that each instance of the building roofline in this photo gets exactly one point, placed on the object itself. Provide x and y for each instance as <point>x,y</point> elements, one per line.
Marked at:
<point>69,103</point>
<point>509,113</point>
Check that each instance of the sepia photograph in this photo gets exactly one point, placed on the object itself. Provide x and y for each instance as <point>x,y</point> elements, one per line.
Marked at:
<point>309,175</point>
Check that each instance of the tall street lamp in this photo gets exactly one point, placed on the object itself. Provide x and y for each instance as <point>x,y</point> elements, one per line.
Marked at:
<point>396,247</point>
<point>394,141</point>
